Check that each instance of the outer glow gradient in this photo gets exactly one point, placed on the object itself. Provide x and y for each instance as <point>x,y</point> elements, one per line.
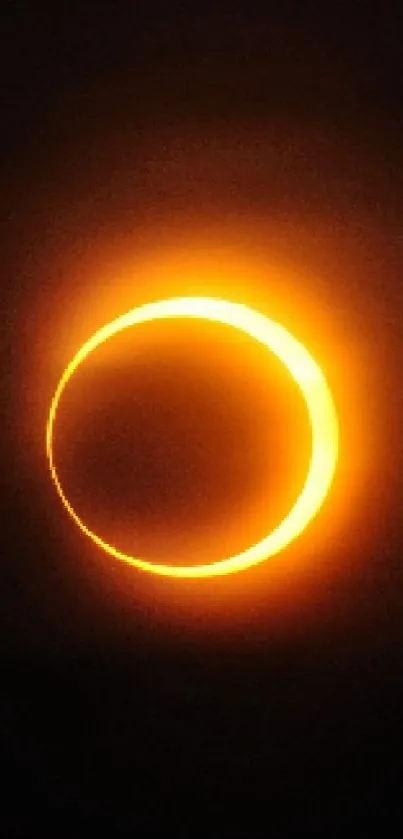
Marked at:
<point>303,369</point>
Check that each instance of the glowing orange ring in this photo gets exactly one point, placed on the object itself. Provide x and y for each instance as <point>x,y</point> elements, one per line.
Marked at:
<point>314,388</point>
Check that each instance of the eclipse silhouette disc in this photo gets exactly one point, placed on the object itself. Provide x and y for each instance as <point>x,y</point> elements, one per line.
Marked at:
<point>306,373</point>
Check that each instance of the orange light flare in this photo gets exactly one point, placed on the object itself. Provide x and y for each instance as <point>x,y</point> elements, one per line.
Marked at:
<point>315,390</point>
<point>264,279</point>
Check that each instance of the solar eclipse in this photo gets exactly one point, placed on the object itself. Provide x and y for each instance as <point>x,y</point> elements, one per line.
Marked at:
<point>315,391</point>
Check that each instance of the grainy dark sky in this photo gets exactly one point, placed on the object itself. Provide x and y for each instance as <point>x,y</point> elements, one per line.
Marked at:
<point>262,141</point>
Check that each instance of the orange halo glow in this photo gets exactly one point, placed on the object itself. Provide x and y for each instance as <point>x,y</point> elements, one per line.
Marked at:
<point>306,373</point>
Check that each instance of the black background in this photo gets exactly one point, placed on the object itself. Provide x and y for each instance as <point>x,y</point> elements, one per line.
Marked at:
<point>118,712</point>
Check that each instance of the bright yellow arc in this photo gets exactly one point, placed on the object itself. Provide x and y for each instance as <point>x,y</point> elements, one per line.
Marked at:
<point>307,374</point>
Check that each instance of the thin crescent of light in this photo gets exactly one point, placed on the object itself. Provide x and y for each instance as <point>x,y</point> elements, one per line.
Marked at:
<point>306,373</point>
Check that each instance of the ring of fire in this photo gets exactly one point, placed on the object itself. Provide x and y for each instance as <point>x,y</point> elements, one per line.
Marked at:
<point>306,373</point>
